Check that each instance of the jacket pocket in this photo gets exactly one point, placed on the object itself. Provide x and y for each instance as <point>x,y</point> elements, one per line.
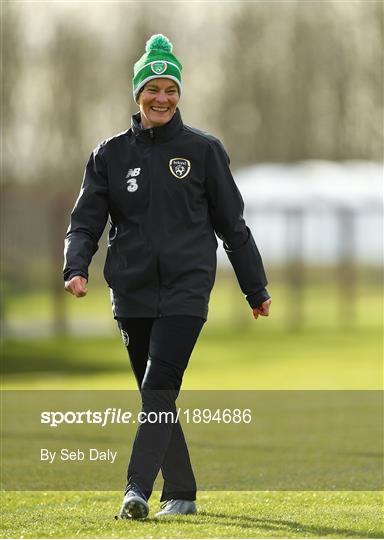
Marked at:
<point>128,269</point>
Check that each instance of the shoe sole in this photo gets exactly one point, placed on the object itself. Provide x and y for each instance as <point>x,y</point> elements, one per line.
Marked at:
<point>135,508</point>
<point>161,514</point>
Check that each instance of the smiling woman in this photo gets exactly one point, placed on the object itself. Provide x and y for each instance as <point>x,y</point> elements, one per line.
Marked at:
<point>167,189</point>
<point>157,82</point>
<point>158,101</point>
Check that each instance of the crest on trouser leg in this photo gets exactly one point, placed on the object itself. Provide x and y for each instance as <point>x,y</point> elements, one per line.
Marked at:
<point>125,337</point>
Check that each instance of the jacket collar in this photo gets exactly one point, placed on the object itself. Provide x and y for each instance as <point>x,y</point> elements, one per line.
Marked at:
<point>157,134</point>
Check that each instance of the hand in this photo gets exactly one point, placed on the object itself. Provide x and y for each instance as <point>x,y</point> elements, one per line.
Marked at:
<point>262,310</point>
<point>76,286</point>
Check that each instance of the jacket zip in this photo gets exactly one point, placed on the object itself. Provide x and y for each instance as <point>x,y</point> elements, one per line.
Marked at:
<point>159,314</point>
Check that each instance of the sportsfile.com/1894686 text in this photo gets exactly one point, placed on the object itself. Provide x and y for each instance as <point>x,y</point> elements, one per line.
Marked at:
<point>113,415</point>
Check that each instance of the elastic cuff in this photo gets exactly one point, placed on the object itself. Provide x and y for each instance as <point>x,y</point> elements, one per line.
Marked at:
<point>145,494</point>
<point>69,275</point>
<point>256,299</point>
<point>181,495</point>
<point>248,267</point>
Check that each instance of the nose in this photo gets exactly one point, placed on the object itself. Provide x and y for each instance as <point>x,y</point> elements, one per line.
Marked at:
<point>161,97</point>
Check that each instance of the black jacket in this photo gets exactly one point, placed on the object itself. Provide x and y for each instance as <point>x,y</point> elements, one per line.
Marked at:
<point>166,190</point>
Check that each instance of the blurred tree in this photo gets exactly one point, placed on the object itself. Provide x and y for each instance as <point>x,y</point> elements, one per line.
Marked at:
<point>10,68</point>
<point>11,38</point>
<point>69,86</point>
<point>303,81</point>
<point>277,81</point>
<point>77,91</point>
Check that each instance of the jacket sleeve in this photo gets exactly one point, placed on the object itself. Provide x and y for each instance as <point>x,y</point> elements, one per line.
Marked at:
<point>226,208</point>
<point>88,218</point>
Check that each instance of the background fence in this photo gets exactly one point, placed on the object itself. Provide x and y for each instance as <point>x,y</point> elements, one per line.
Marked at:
<point>280,83</point>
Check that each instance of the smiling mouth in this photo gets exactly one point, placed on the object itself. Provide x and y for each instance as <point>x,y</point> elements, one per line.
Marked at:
<point>159,109</point>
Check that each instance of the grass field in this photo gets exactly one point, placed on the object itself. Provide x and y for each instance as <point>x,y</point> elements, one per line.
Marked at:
<point>221,515</point>
<point>260,355</point>
<point>255,358</point>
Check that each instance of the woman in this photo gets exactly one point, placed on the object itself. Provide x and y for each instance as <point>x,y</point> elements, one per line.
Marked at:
<point>167,188</point>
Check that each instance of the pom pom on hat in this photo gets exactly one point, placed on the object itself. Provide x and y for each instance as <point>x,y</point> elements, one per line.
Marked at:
<point>157,61</point>
<point>158,41</point>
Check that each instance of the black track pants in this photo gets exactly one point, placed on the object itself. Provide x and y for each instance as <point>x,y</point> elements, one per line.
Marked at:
<point>159,350</point>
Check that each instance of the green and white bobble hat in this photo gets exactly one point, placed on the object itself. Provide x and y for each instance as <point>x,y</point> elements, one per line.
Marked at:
<point>157,61</point>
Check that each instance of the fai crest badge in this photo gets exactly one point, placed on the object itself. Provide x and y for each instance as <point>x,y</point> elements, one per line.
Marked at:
<point>179,167</point>
<point>125,337</point>
<point>159,67</point>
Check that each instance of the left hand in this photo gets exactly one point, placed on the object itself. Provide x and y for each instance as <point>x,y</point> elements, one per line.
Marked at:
<point>262,310</point>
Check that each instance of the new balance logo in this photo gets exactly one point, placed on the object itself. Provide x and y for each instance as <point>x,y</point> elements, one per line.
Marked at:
<point>133,172</point>
<point>131,179</point>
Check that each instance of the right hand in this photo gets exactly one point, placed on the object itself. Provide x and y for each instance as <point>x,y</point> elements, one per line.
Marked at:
<point>76,286</point>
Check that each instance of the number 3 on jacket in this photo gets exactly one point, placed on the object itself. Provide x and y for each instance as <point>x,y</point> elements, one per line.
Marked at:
<point>132,184</point>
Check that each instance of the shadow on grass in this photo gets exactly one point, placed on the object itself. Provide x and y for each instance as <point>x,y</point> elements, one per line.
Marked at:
<point>248,522</point>
<point>63,355</point>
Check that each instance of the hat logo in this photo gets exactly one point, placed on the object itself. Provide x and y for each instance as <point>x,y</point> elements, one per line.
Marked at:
<point>179,167</point>
<point>158,67</point>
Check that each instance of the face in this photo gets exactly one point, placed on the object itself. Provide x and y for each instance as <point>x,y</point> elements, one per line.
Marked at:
<point>158,101</point>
